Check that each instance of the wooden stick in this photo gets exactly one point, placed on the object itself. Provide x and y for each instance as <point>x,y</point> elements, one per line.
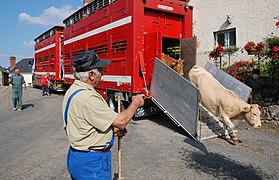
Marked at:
<point>119,142</point>
<point>8,96</point>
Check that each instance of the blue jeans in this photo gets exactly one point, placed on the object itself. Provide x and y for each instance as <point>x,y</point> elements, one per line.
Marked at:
<point>45,90</point>
<point>89,165</point>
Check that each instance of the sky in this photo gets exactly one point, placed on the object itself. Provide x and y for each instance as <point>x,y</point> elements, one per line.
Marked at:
<point>24,20</point>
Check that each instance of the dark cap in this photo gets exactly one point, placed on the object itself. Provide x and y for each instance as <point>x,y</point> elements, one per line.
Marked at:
<point>88,60</point>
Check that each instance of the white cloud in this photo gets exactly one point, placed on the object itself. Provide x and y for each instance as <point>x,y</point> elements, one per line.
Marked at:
<point>18,56</point>
<point>28,44</point>
<point>3,56</point>
<point>51,16</point>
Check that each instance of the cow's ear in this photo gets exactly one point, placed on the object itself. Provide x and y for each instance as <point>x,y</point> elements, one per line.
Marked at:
<point>247,108</point>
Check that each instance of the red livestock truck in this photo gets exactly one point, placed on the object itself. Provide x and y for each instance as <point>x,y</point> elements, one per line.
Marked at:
<point>131,33</point>
<point>47,57</point>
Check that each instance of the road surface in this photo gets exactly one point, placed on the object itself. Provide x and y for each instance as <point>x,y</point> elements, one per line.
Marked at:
<point>33,145</point>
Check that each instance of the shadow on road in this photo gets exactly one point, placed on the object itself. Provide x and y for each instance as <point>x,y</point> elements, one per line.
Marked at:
<point>164,120</point>
<point>115,176</point>
<point>219,165</point>
<point>26,106</point>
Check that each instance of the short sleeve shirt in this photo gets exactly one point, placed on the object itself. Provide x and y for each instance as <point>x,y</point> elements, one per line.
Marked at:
<point>17,79</point>
<point>45,80</point>
<point>89,118</point>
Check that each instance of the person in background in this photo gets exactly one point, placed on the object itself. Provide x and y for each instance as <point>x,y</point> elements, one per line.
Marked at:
<point>17,80</point>
<point>45,84</point>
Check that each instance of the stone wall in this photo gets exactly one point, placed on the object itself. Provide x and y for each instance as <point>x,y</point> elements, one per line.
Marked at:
<point>270,114</point>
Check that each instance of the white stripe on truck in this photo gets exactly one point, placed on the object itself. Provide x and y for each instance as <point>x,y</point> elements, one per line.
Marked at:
<point>109,78</point>
<point>107,27</point>
<point>45,48</point>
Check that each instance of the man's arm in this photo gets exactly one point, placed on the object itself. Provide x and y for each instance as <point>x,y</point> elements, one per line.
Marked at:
<point>125,117</point>
<point>23,82</point>
<point>11,80</point>
<point>49,82</point>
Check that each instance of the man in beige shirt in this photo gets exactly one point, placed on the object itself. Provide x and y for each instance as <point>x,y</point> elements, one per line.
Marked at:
<point>90,123</point>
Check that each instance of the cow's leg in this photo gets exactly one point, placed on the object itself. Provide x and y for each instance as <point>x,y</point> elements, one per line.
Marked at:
<point>227,136</point>
<point>228,122</point>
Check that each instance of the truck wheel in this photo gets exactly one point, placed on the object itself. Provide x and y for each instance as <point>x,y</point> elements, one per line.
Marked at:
<point>113,103</point>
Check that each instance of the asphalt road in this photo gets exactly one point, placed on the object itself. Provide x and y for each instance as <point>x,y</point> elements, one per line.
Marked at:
<point>33,145</point>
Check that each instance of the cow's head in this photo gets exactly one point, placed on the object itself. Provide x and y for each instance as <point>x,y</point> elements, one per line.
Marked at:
<point>179,67</point>
<point>252,115</point>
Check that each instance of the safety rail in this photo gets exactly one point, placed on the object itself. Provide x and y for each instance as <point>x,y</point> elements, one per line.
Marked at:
<point>87,10</point>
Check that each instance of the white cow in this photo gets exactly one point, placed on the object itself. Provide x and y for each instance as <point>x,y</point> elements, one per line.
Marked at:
<point>223,103</point>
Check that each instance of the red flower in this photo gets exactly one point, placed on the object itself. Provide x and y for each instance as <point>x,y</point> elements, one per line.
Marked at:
<point>217,52</point>
<point>277,23</point>
<point>250,47</point>
<point>241,70</point>
<point>276,48</point>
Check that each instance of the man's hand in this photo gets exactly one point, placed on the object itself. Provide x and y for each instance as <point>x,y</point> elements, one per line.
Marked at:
<point>118,132</point>
<point>24,86</point>
<point>138,99</point>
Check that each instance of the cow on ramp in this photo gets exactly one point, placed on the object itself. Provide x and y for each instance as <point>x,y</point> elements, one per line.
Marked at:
<point>223,103</point>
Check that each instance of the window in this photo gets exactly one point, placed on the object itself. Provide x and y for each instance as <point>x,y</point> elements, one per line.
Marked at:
<point>51,32</point>
<point>226,38</point>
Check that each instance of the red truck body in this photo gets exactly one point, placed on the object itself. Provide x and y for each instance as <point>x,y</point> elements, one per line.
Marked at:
<point>128,33</point>
<point>47,57</point>
<point>131,33</point>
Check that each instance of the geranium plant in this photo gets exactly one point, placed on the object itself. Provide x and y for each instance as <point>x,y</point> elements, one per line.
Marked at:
<point>253,48</point>
<point>241,70</point>
<point>272,53</point>
<point>217,52</point>
<point>250,47</point>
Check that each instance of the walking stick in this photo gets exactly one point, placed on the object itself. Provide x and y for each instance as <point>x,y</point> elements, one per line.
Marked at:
<point>119,143</point>
<point>8,97</point>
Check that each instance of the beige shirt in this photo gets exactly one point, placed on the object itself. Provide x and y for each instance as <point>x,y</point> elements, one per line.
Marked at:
<point>89,118</point>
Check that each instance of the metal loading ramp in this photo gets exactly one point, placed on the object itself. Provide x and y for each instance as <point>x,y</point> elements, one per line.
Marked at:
<point>176,97</point>
<point>240,89</point>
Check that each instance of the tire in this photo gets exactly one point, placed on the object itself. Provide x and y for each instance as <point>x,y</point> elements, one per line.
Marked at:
<point>111,102</point>
<point>114,105</point>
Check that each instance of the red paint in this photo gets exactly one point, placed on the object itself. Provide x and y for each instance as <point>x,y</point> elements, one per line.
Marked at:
<point>49,59</point>
<point>150,22</point>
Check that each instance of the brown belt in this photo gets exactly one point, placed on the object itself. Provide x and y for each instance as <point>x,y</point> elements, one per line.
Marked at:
<point>99,150</point>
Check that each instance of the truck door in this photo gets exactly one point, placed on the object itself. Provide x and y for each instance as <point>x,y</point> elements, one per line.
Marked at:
<point>152,49</point>
<point>189,53</point>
